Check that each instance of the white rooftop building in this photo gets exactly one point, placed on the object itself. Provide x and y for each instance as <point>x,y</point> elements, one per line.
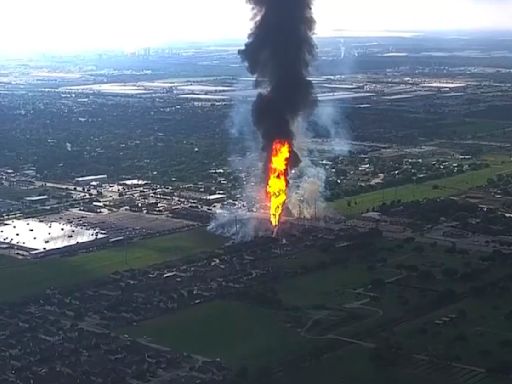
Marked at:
<point>134,183</point>
<point>34,238</point>
<point>87,180</point>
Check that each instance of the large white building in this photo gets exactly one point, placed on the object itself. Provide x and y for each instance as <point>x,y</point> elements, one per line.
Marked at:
<point>87,180</point>
<point>34,239</point>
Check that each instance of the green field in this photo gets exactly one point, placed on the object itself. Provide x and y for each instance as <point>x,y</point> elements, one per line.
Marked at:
<point>246,335</point>
<point>22,278</point>
<point>484,328</point>
<point>307,258</point>
<point>18,194</point>
<point>327,287</point>
<point>432,189</point>
<point>352,365</point>
<point>240,334</point>
<point>253,336</point>
<point>473,128</point>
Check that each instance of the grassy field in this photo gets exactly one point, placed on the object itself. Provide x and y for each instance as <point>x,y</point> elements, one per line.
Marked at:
<point>249,335</point>
<point>474,128</point>
<point>351,365</point>
<point>240,334</point>
<point>327,287</point>
<point>483,330</point>
<point>354,365</point>
<point>21,278</point>
<point>18,194</point>
<point>310,257</point>
<point>449,186</point>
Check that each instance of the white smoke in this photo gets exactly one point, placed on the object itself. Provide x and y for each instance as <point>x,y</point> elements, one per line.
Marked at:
<point>238,225</point>
<point>306,198</point>
<point>236,222</point>
<point>307,183</point>
<point>330,119</point>
<point>342,49</point>
<point>247,152</point>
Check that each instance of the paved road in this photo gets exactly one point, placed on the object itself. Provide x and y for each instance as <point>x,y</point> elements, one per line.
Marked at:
<point>333,337</point>
<point>346,339</point>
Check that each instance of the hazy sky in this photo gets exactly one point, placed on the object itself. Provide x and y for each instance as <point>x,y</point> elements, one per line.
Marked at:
<point>73,25</point>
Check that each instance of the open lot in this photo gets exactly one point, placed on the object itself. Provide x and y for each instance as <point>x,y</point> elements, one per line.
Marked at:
<point>336,307</point>
<point>432,189</point>
<point>351,365</point>
<point>18,194</point>
<point>327,287</point>
<point>355,365</point>
<point>481,337</point>
<point>473,128</point>
<point>19,279</point>
<point>240,334</point>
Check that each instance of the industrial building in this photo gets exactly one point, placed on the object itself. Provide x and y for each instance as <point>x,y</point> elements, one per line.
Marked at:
<point>134,183</point>
<point>36,239</point>
<point>87,180</point>
<point>36,200</point>
<point>214,199</point>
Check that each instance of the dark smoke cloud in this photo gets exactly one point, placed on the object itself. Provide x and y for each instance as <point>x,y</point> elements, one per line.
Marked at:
<point>279,53</point>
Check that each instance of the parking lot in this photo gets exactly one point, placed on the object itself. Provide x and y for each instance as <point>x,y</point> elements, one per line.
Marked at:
<point>123,224</point>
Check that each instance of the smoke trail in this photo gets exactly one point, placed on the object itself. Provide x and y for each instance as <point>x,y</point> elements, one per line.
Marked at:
<point>307,191</point>
<point>329,122</point>
<point>234,222</point>
<point>279,53</point>
<point>238,225</point>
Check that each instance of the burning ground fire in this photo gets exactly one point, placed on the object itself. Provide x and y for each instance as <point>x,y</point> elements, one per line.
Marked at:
<point>277,184</point>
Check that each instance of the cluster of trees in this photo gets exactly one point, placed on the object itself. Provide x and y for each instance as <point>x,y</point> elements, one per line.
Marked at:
<point>432,211</point>
<point>162,139</point>
<point>468,215</point>
<point>494,112</point>
<point>394,175</point>
<point>502,183</point>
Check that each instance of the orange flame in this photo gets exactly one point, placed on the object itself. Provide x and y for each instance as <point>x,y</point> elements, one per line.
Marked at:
<point>278,179</point>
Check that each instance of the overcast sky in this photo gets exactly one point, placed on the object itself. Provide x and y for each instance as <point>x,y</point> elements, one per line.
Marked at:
<point>74,25</point>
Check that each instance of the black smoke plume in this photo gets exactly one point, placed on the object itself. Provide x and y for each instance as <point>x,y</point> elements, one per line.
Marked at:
<point>279,53</point>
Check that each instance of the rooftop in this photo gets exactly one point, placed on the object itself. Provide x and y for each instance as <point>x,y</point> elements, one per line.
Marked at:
<point>91,178</point>
<point>133,183</point>
<point>39,236</point>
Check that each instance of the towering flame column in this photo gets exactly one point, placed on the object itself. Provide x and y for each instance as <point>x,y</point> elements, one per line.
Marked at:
<point>277,184</point>
<point>279,53</point>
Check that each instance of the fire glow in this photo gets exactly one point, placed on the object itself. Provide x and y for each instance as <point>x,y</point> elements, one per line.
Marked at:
<point>279,52</point>
<point>277,184</point>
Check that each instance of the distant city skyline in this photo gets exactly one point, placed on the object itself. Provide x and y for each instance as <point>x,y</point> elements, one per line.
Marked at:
<point>78,25</point>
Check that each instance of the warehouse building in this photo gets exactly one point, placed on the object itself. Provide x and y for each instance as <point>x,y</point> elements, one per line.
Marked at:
<point>88,180</point>
<point>35,239</point>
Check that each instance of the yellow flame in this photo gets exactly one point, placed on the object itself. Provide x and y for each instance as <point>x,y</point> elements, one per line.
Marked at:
<point>278,179</point>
